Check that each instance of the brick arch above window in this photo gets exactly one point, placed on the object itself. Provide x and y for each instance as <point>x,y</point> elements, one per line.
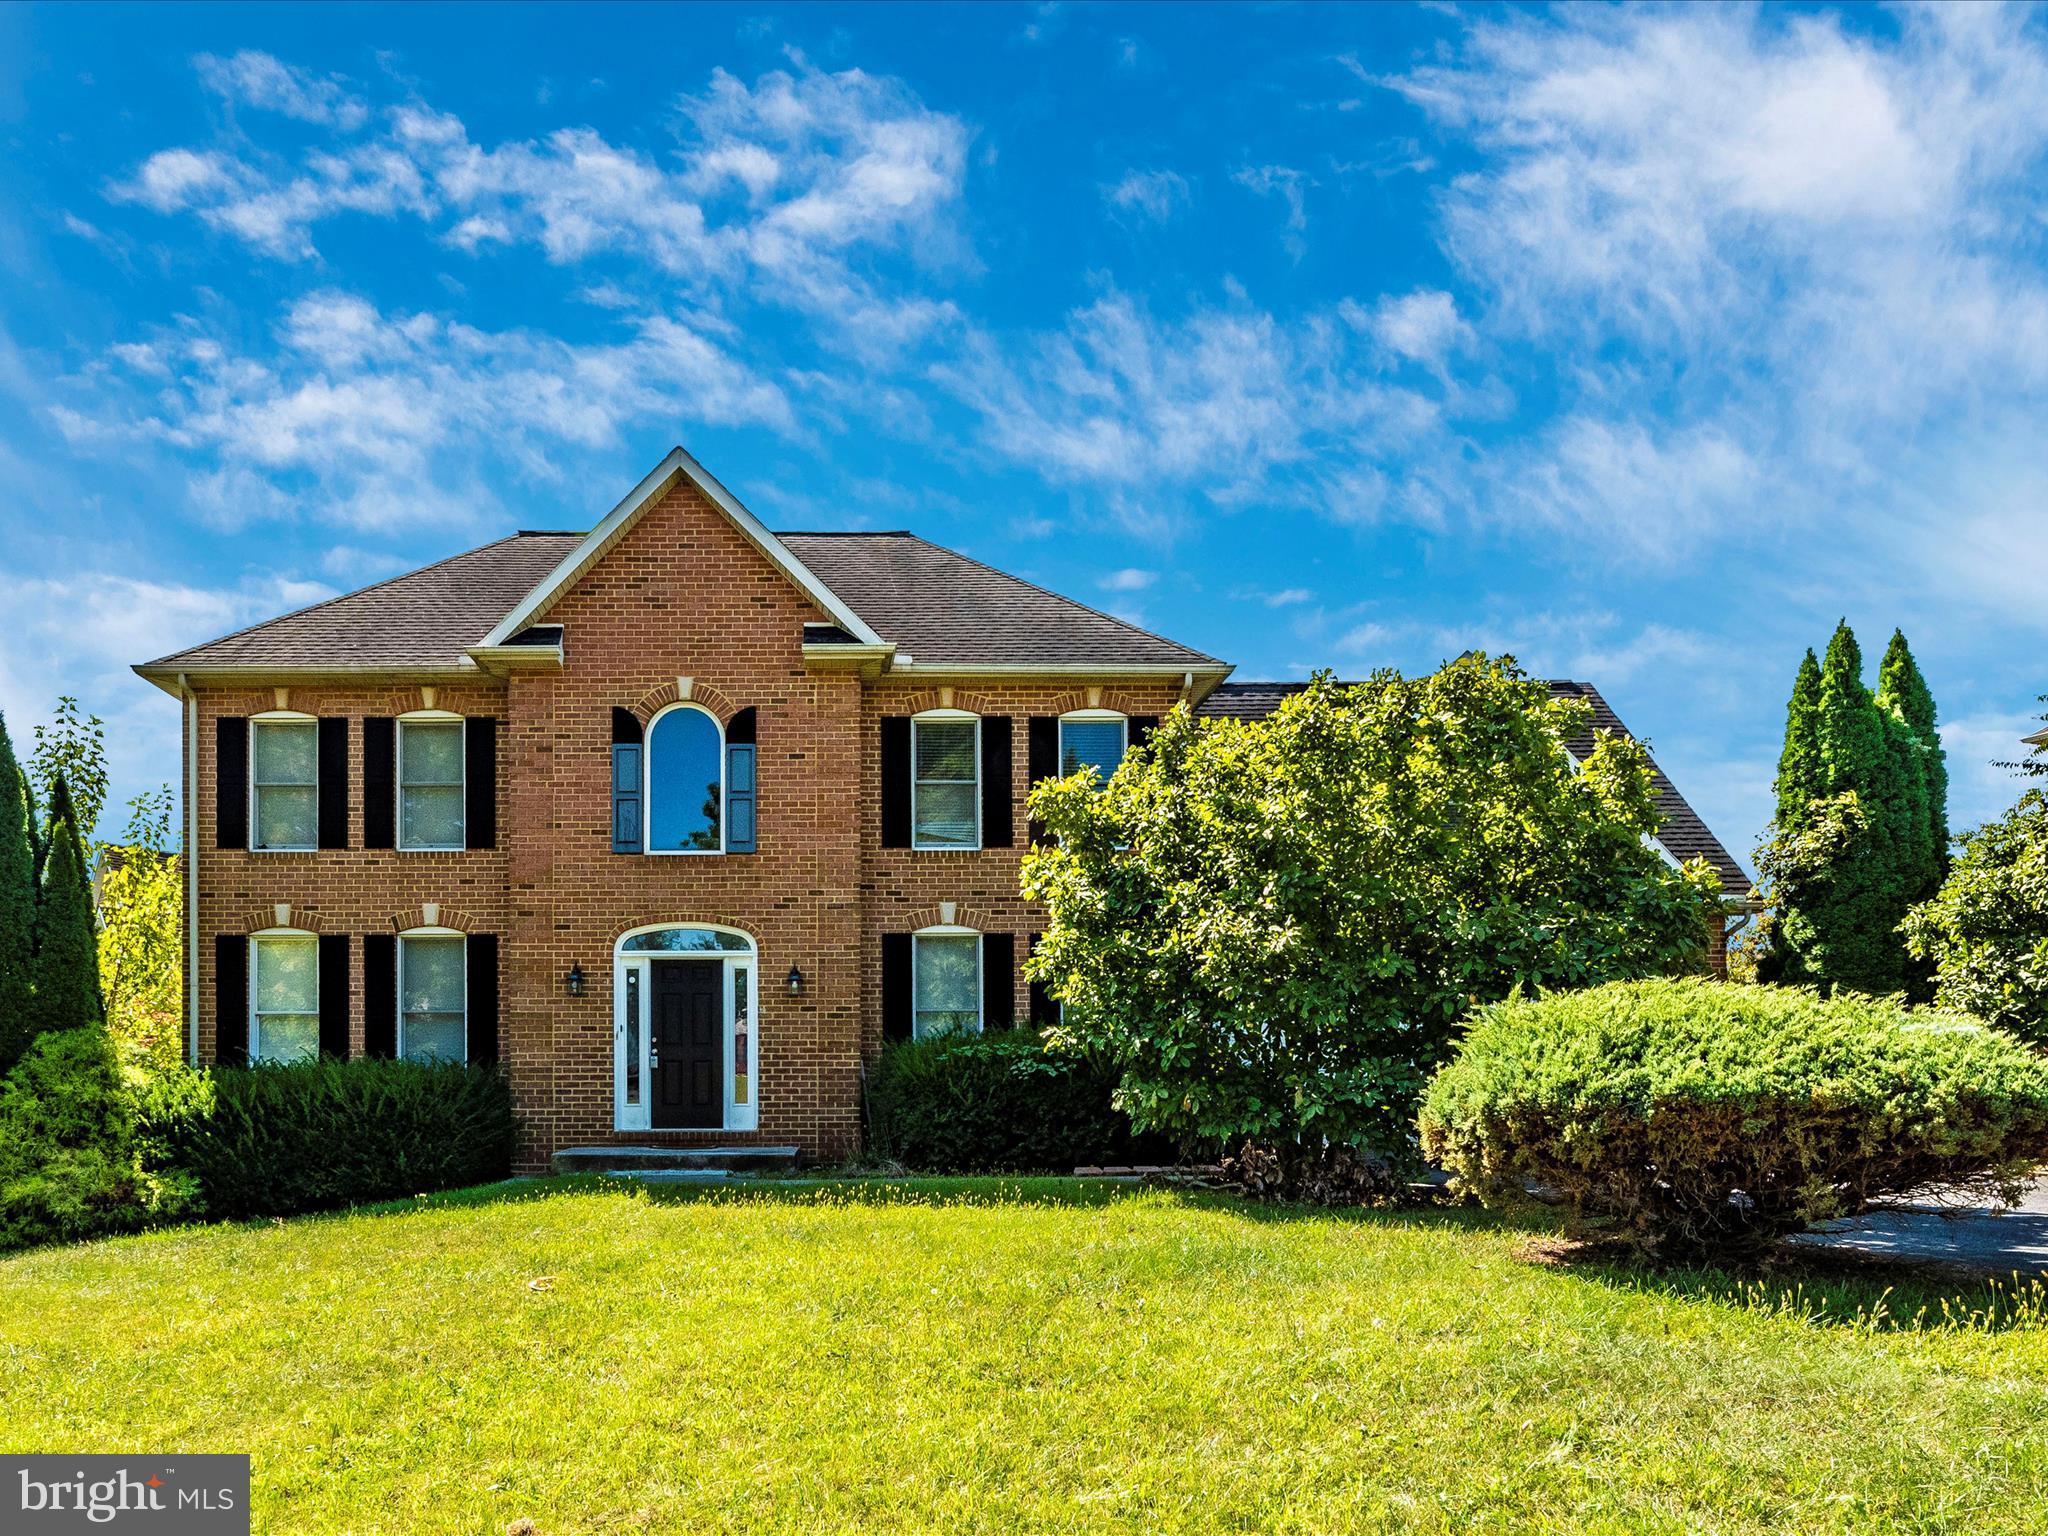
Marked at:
<point>708,696</point>
<point>281,914</point>
<point>1112,699</point>
<point>443,916</point>
<point>962,699</point>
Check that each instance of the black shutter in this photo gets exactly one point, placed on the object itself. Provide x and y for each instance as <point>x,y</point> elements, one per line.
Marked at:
<point>1141,728</point>
<point>380,995</point>
<point>1044,1011</point>
<point>380,781</point>
<point>627,748</point>
<point>1041,759</point>
<point>333,992</point>
<point>998,806</point>
<point>483,997</point>
<point>896,781</point>
<point>480,782</point>
<point>998,981</point>
<point>896,986</point>
<point>231,782</point>
<point>333,782</point>
<point>230,999</point>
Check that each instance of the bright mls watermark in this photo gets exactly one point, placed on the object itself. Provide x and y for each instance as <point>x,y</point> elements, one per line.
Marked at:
<point>164,1495</point>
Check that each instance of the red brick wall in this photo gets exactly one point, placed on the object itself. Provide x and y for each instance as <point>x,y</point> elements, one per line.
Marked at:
<point>683,595</point>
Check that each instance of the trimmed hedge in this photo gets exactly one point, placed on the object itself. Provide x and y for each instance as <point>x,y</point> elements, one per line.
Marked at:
<point>317,1135</point>
<point>999,1103</point>
<point>1696,1118</point>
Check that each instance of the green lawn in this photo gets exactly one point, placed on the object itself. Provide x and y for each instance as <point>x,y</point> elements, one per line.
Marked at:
<point>990,1356</point>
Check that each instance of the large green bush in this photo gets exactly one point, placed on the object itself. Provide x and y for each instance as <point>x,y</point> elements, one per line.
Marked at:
<point>1697,1118</point>
<point>999,1103</point>
<point>1273,927</point>
<point>317,1135</point>
<point>74,1159</point>
<point>1986,930</point>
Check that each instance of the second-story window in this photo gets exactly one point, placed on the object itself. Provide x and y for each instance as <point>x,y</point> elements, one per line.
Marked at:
<point>945,781</point>
<point>430,784</point>
<point>285,785</point>
<point>685,782</point>
<point>1093,739</point>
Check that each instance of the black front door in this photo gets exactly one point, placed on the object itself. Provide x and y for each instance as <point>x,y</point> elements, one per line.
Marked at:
<point>689,1063</point>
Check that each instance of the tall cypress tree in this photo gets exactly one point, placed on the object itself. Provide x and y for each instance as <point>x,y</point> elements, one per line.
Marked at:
<point>67,963</point>
<point>17,905</point>
<point>1904,692</point>
<point>1800,773</point>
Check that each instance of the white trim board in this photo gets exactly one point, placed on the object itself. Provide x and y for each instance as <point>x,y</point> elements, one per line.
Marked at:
<point>622,517</point>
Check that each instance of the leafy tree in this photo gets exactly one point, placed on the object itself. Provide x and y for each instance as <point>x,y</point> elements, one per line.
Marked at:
<point>1987,929</point>
<point>17,905</point>
<point>1860,825</point>
<point>141,909</point>
<point>73,748</point>
<point>1273,928</point>
<point>67,973</point>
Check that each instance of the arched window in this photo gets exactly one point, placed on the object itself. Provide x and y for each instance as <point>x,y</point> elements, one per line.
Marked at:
<point>685,782</point>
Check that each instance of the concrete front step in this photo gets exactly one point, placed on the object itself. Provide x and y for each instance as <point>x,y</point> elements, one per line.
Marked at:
<point>703,1160</point>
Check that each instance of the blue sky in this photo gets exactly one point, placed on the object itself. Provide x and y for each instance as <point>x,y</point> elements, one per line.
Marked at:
<point>1640,343</point>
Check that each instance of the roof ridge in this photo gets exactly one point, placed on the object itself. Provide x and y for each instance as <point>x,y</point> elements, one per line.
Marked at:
<point>847,533</point>
<point>328,602</point>
<point>1061,597</point>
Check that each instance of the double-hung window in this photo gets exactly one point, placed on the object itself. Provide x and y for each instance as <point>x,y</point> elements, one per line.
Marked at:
<point>285,786</point>
<point>284,1005</point>
<point>1093,740</point>
<point>945,983</point>
<point>433,997</point>
<point>945,783</point>
<point>430,784</point>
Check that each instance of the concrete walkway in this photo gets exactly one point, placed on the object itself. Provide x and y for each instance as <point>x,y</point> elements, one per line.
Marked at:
<point>1983,1238</point>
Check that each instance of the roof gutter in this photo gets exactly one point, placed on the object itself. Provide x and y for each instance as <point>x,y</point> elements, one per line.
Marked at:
<point>191,853</point>
<point>174,680</point>
<point>1196,683</point>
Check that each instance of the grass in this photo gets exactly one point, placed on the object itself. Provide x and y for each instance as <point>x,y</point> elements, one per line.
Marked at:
<point>1014,1355</point>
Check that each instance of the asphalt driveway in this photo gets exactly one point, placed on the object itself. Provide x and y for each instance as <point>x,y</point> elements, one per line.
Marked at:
<point>1981,1237</point>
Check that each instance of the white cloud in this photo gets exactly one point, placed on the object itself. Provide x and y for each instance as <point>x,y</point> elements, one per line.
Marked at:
<point>1289,186</point>
<point>1155,195</point>
<point>1975,745</point>
<point>259,80</point>
<point>1127,580</point>
<point>1422,326</point>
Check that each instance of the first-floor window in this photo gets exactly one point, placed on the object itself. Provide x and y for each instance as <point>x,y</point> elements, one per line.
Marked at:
<point>285,1014</point>
<point>946,983</point>
<point>433,998</point>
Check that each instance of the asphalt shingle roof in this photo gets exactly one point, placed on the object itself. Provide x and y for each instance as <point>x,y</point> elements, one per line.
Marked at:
<point>935,604</point>
<point>940,606</point>
<point>1683,834</point>
<point>425,618</point>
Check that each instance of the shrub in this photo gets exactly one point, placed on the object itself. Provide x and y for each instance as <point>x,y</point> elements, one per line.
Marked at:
<point>998,1103</point>
<point>1986,930</point>
<point>1697,1118</point>
<point>317,1135</point>
<point>73,1158</point>
<point>1274,927</point>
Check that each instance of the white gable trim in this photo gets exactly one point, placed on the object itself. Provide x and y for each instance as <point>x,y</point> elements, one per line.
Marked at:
<point>627,512</point>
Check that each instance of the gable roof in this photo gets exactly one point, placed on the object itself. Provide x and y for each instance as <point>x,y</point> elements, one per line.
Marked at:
<point>931,606</point>
<point>940,607</point>
<point>425,619</point>
<point>1683,835</point>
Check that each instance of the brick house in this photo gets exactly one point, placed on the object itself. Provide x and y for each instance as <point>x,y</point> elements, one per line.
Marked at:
<point>679,818</point>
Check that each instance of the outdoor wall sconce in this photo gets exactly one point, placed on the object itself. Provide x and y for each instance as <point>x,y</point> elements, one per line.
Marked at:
<point>575,980</point>
<point>796,982</point>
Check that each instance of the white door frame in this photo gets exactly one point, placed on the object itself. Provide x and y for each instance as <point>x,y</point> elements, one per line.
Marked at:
<point>742,989</point>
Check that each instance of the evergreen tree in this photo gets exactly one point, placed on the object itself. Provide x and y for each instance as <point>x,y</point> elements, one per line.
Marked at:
<point>17,905</point>
<point>1800,775</point>
<point>67,968</point>
<point>1904,692</point>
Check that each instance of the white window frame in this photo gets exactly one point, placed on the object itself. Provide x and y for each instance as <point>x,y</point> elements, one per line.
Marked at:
<point>647,792</point>
<point>431,933</point>
<point>256,724</point>
<point>427,717</point>
<point>952,931</point>
<point>1092,717</point>
<point>640,1117</point>
<point>951,717</point>
<point>255,1017</point>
